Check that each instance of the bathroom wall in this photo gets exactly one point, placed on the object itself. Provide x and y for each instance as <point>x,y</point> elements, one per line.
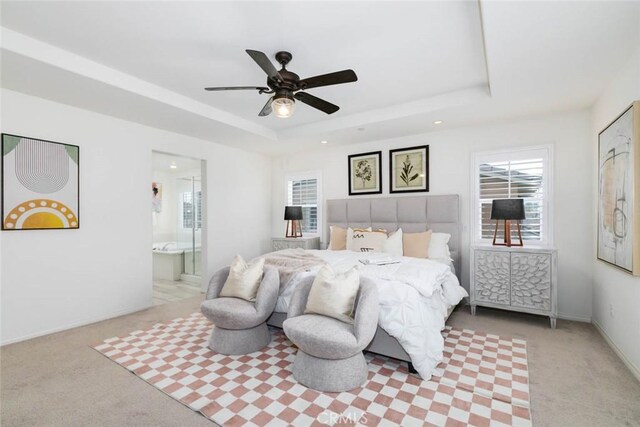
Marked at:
<point>165,221</point>
<point>167,226</point>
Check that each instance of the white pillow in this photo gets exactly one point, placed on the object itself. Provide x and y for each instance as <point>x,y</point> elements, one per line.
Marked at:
<point>244,279</point>
<point>438,246</point>
<point>334,294</point>
<point>368,241</point>
<point>350,236</point>
<point>393,245</point>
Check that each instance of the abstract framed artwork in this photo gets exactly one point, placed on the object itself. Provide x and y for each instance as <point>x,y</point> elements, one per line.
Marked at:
<point>409,169</point>
<point>365,175</point>
<point>40,184</point>
<point>619,191</point>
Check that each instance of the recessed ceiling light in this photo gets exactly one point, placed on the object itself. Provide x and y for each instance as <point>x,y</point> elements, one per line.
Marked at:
<point>173,166</point>
<point>323,142</point>
<point>438,122</point>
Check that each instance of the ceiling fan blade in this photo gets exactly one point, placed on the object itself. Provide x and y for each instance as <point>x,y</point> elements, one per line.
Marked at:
<point>237,88</point>
<point>266,110</point>
<point>315,102</point>
<point>339,77</point>
<point>263,61</point>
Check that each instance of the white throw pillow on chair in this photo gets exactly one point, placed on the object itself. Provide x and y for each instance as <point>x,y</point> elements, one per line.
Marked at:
<point>334,294</point>
<point>244,279</point>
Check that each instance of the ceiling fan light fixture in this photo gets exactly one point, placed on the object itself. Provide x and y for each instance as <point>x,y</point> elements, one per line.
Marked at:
<point>283,107</point>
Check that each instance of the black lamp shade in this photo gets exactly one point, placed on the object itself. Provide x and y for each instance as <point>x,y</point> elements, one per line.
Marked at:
<point>292,212</point>
<point>507,209</point>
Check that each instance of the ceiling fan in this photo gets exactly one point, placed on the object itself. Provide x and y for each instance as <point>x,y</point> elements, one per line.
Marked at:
<point>287,87</point>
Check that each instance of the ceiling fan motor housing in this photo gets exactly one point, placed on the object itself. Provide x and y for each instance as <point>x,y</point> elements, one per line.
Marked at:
<point>289,81</point>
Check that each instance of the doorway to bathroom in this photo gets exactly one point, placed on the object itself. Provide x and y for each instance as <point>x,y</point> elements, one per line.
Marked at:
<point>178,221</point>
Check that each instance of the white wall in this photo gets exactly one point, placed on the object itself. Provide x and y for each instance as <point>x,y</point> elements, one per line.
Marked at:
<point>56,279</point>
<point>450,154</point>
<point>165,222</point>
<point>613,288</point>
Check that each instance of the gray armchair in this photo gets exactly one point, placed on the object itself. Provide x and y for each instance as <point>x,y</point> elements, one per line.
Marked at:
<point>330,354</point>
<point>240,326</point>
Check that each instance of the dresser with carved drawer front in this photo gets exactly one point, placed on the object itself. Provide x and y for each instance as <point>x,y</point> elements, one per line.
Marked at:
<point>515,278</point>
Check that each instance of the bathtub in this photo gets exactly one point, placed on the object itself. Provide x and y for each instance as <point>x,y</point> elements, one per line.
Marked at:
<point>168,261</point>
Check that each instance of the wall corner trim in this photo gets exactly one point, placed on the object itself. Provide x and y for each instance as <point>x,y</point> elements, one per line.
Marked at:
<point>617,350</point>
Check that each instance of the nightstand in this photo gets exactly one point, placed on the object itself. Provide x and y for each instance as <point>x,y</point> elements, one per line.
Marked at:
<point>515,278</point>
<point>279,243</point>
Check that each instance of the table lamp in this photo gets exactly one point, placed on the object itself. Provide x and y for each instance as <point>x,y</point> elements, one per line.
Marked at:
<point>293,216</point>
<point>507,210</point>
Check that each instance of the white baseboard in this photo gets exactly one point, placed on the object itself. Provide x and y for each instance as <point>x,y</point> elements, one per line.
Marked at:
<point>629,364</point>
<point>574,318</point>
<point>76,324</point>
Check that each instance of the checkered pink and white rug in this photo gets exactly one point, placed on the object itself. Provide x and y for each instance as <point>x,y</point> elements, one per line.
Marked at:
<point>482,381</point>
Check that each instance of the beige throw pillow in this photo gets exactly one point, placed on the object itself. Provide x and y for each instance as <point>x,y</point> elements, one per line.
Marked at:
<point>337,238</point>
<point>416,244</point>
<point>244,279</point>
<point>368,241</point>
<point>334,294</point>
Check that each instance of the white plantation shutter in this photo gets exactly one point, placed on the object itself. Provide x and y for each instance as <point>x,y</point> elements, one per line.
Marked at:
<point>522,174</point>
<point>304,190</point>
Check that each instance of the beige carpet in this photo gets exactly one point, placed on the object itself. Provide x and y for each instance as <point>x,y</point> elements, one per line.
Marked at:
<point>576,379</point>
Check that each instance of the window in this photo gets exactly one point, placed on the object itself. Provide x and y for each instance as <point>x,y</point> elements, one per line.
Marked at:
<point>304,189</point>
<point>188,210</point>
<point>522,173</point>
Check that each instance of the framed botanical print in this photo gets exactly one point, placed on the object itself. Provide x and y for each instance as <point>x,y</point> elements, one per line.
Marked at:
<point>40,184</point>
<point>365,176</point>
<point>619,191</point>
<point>409,169</point>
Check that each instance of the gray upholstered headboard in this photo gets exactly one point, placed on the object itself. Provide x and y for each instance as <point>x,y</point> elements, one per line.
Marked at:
<point>412,214</point>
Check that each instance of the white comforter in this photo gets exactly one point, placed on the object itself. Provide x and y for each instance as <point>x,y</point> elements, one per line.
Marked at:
<point>414,297</point>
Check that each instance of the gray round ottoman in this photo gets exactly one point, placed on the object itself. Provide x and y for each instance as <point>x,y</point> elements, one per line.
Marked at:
<point>330,354</point>
<point>239,325</point>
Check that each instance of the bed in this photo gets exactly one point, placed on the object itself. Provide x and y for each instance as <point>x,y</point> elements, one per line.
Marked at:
<point>413,214</point>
